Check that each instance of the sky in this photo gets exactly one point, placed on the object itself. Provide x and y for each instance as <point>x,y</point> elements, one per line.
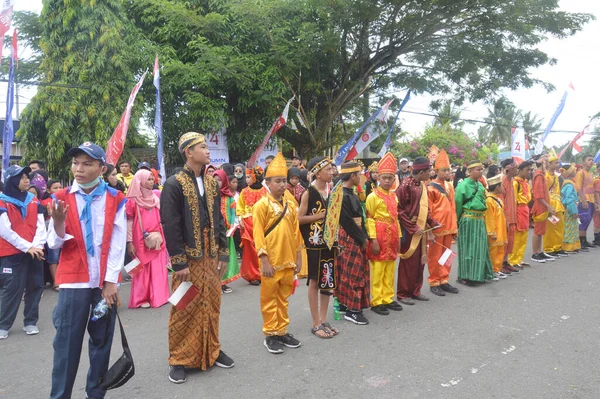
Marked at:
<point>578,61</point>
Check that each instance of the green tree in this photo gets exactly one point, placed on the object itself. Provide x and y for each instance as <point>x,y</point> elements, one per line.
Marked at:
<point>531,125</point>
<point>88,67</point>
<point>502,116</point>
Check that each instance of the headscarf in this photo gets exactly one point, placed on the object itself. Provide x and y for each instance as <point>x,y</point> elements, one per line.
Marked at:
<point>11,188</point>
<point>143,196</point>
<point>293,171</point>
<point>156,177</point>
<point>37,179</point>
<point>225,191</point>
<point>227,168</point>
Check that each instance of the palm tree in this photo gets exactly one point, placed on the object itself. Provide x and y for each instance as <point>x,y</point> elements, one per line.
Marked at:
<point>532,125</point>
<point>447,115</point>
<point>501,118</point>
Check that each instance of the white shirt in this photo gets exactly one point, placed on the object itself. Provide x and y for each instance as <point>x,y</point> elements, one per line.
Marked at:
<point>7,233</point>
<point>116,253</point>
<point>200,185</point>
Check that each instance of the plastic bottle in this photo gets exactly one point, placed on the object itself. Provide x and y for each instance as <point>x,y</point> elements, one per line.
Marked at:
<point>336,309</point>
<point>100,310</point>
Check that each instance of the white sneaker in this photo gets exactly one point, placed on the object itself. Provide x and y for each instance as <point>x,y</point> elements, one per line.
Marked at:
<point>496,277</point>
<point>3,334</point>
<point>31,330</point>
<point>501,275</point>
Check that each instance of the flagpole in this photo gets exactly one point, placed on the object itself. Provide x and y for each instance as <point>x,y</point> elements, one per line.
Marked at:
<point>8,134</point>
<point>158,126</point>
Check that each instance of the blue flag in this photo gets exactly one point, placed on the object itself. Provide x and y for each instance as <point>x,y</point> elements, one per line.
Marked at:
<point>388,140</point>
<point>9,131</point>
<point>539,147</point>
<point>158,124</point>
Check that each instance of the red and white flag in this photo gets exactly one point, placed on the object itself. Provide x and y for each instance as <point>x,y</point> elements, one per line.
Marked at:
<point>371,132</point>
<point>278,124</point>
<point>447,257</point>
<point>134,267</point>
<point>6,11</point>
<point>183,295</point>
<point>115,145</point>
<point>576,147</point>
<point>232,230</point>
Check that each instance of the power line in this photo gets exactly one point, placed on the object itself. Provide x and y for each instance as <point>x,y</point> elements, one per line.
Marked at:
<point>32,83</point>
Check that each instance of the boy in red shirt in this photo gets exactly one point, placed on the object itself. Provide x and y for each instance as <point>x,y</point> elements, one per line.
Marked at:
<point>89,224</point>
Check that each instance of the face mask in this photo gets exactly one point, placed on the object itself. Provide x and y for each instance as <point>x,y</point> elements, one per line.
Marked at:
<point>239,175</point>
<point>91,184</point>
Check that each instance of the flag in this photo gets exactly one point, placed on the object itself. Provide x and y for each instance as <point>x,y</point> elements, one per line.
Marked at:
<point>158,127</point>
<point>517,149</point>
<point>388,140</point>
<point>539,148</point>
<point>371,132</point>
<point>576,147</point>
<point>115,145</point>
<point>6,11</point>
<point>9,131</point>
<point>447,257</point>
<point>278,124</point>
<point>184,294</point>
<point>134,267</point>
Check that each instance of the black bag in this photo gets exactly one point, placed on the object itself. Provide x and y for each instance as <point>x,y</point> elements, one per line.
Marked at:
<point>123,369</point>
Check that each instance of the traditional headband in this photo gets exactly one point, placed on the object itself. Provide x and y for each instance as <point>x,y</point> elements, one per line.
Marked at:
<point>320,165</point>
<point>474,165</point>
<point>190,139</point>
<point>421,166</point>
<point>352,169</point>
<point>494,180</point>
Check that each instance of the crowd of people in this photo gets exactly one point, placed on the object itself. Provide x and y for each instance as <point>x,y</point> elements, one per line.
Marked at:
<point>345,228</point>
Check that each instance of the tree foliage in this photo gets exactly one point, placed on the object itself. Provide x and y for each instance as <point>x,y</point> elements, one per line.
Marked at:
<point>89,54</point>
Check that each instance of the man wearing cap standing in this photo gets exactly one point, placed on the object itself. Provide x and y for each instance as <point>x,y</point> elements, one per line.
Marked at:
<point>22,239</point>
<point>144,165</point>
<point>89,224</point>
<point>197,243</point>
<point>413,213</point>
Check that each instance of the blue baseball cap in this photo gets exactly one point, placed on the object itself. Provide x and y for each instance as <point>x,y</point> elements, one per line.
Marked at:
<point>144,165</point>
<point>91,149</point>
<point>16,170</point>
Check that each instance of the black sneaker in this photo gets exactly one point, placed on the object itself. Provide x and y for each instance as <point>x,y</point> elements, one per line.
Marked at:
<point>448,288</point>
<point>518,267</point>
<point>539,258</point>
<point>584,249</point>
<point>560,253</point>
<point>343,308</point>
<point>289,341</point>
<point>393,306</point>
<point>437,291</point>
<point>224,361</point>
<point>177,374</point>
<point>273,345</point>
<point>381,310</point>
<point>548,256</point>
<point>254,282</point>
<point>356,318</point>
<point>226,289</point>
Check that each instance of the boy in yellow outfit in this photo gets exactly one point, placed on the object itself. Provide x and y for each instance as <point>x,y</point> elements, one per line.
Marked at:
<point>384,234</point>
<point>279,246</point>
<point>555,232</point>
<point>495,222</point>
<point>523,195</point>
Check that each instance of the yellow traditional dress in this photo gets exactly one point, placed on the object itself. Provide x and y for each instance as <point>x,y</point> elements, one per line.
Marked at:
<point>523,195</point>
<point>495,224</point>
<point>553,238</point>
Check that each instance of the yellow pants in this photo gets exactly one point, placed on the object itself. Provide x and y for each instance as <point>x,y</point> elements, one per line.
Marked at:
<point>554,234</point>
<point>497,257</point>
<point>382,282</point>
<point>304,270</point>
<point>518,252</point>
<point>274,294</point>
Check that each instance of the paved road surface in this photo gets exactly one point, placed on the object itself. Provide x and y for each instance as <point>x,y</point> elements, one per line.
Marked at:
<point>534,335</point>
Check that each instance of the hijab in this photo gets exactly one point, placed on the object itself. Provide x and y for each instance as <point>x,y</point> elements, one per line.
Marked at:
<point>225,191</point>
<point>227,168</point>
<point>143,196</point>
<point>13,195</point>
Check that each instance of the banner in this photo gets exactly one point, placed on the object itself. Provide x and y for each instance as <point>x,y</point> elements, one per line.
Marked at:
<point>577,147</point>
<point>345,149</point>
<point>217,145</point>
<point>8,134</point>
<point>278,124</point>
<point>517,149</point>
<point>539,148</point>
<point>158,124</point>
<point>6,11</point>
<point>371,132</point>
<point>115,145</point>
<point>388,140</point>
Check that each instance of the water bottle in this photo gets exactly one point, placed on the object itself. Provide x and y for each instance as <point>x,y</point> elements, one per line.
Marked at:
<point>100,310</point>
<point>336,309</point>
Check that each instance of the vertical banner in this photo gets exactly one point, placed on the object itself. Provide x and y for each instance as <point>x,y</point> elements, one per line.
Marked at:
<point>9,131</point>
<point>517,150</point>
<point>6,11</point>
<point>372,131</point>
<point>539,148</point>
<point>158,124</point>
<point>217,145</point>
<point>388,140</point>
<point>115,145</point>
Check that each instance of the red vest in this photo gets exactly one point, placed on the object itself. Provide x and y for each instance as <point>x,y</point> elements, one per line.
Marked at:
<point>25,228</point>
<point>73,265</point>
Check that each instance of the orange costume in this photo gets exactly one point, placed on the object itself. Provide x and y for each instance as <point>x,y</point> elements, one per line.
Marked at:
<point>510,209</point>
<point>248,197</point>
<point>495,223</point>
<point>523,195</point>
<point>442,209</point>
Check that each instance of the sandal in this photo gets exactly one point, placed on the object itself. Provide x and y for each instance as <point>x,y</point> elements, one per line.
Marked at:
<point>333,331</point>
<point>316,329</point>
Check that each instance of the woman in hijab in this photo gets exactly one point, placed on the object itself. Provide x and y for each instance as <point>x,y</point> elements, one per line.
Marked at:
<point>150,286</point>
<point>228,212</point>
<point>239,172</point>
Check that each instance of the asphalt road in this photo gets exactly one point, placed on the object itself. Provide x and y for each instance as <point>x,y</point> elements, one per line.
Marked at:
<point>534,335</point>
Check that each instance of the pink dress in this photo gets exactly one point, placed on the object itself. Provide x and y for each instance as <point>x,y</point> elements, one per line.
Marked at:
<point>151,285</point>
